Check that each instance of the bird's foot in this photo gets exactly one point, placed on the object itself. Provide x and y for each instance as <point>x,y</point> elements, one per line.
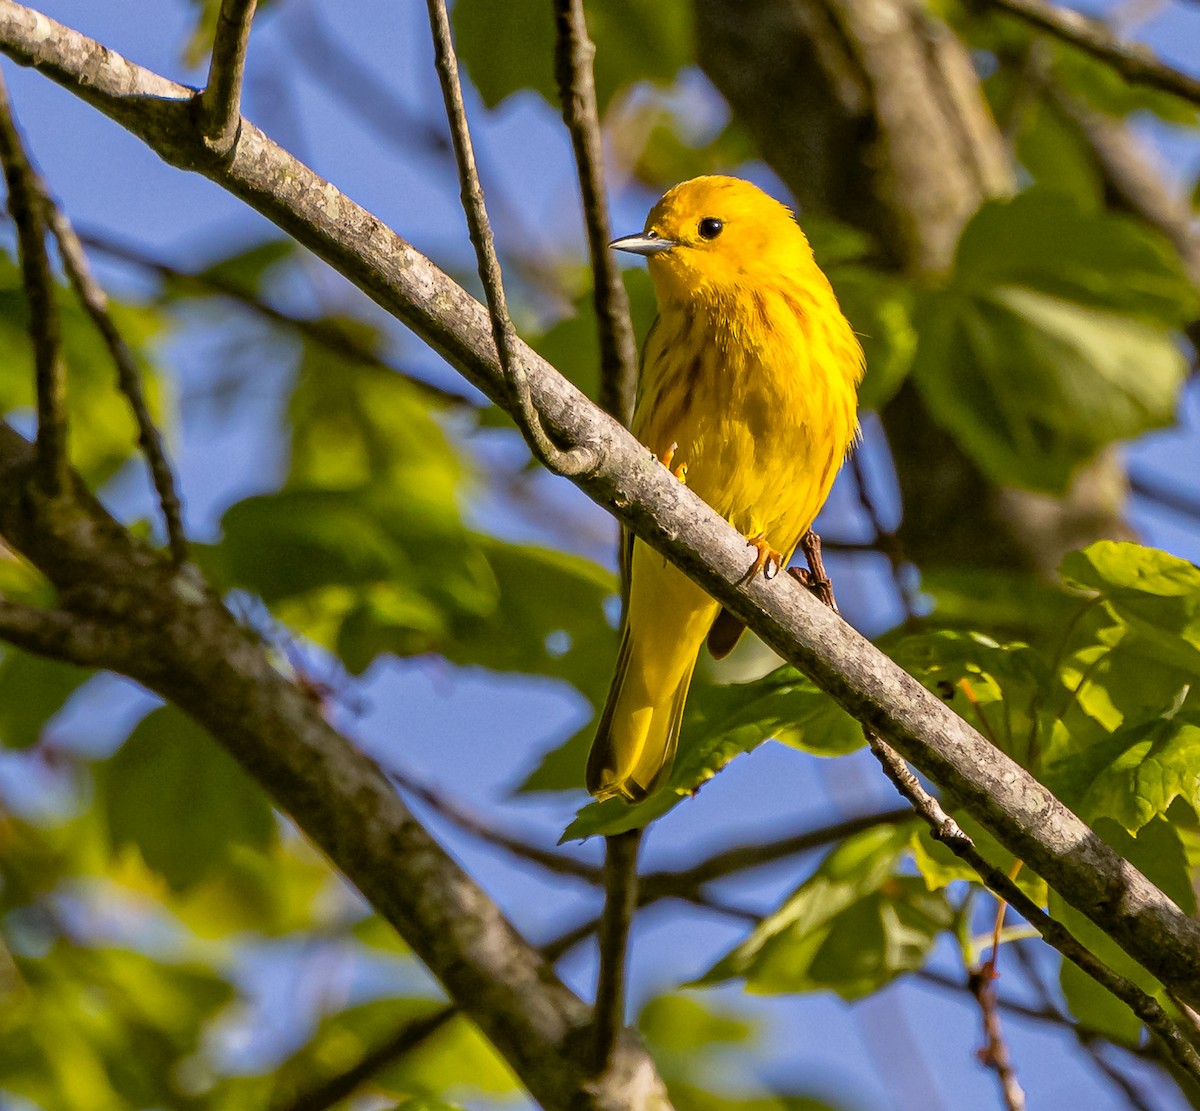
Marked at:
<point>667,457</point>
<point>768,560</point>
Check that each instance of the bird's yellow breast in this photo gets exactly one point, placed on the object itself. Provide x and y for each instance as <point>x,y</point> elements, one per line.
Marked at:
<point>758,393</point>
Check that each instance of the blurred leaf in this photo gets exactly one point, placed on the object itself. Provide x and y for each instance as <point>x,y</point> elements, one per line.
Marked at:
<point>245,269</point>
<point>32,690</point>
<point>572,344</point>
<point>720,722</point>
<point>510,47</point>
<point>181,800</point>
<point>880,310</point>
<point>689,1097</point>
<point>1004,603</point>
<point>1096,1008</point>
<point>1104,88</point>
<point>199,46</point>
<point>940,867</point>
<point>103,1029</point>
<point>1041,240</point>
<point>453,1061</point>
<point>103,436</point>
<point>1032,385</point>
<point>851,927</point>
<point>683,1024</point>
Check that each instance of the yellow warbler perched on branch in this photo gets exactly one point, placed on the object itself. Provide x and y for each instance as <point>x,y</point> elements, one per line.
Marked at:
<point>747,392</point>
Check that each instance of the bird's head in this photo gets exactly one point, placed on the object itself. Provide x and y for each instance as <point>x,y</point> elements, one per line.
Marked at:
<point>711,236</point>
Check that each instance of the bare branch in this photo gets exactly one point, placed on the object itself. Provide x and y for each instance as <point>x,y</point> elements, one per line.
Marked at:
<point>340,1087</point>
<point>575,461</point>
<point>574,52</point>
<point>1002,796</point>
<point>220,102</point>
<point>981,983</point>
<point>620,902</point>
<point>1135,62</point>
<point>327,334</point>
<point>95,302</point>
<point>45,329</point>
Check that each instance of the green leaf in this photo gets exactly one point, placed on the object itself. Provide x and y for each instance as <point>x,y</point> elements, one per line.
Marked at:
<point>1042,241</point>
<point>989,683</point>
<point>1156,594</point>
<point>1135,774</point>
<point>32,690</point>
<point>721,722</point>
<point>182,801</point>
<point>1004,603</point>
<point>852,927</point>
<point>880,309</point>
<point>1159,855</point>
<point>681,1023</point>
<point>1032,385</point>
<point>510,47</point>
<point>572,344</point>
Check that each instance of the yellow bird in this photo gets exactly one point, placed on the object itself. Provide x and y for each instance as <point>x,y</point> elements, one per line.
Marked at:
<point>748,393</point>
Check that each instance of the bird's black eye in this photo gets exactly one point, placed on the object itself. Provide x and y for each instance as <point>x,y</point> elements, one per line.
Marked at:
<point>710,227</point>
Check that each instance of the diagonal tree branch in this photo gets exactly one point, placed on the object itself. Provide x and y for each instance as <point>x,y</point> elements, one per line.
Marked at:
<point>45,328</point>
<point>1133,61</point>
<point>1003,797</point>
<point>574,52</point>
<point>220,102</point>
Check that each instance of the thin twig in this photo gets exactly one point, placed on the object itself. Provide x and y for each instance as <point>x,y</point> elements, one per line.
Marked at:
<point>620,902</point>
<point>946,830</point>
<point>981,983</point>
<point>333,1091</point>
<point>556,862</point>
<point>574,52</point>
<point>220,102</point>
<point>326,333</point>
<point>95,301</point>
<point>574,461</point>
<point>1184,502</point>
<point>45,328</point>
<point>1135,62</point>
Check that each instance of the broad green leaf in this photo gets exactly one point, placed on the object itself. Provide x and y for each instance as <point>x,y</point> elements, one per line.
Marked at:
<point>1134,775</point>
<point>182,801</point>
<point>721,722</point>
<point>33,690</point>
<point>1156,594</point>
<point>1032,385</point>
<point>243,271</point>
<point>1042,241</point>
<point>691,1097</point>
<point>1005,603</point>
<point>992,685</point>
<point>852,927</point>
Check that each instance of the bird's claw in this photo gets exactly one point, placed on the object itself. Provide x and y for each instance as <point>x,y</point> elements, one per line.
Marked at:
<point>680,472</point>
<point>767,560</point>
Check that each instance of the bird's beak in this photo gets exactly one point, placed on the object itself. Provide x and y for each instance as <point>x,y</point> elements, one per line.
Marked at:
<point>648,244</point>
